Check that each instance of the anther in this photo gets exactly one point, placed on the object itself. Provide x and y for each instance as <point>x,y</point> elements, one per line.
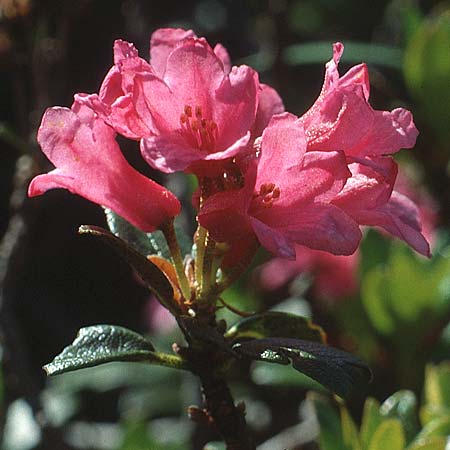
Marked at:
<point>198,112</point>
<point>276,192</point>
<point>183,118</point>
<point>188,110</point>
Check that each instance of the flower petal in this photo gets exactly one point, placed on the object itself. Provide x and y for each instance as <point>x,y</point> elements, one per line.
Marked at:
<point>269,104</point>
<point>400,217</point>
<point>318,226</point>
<point>162,42</point>
<point>89,163</point>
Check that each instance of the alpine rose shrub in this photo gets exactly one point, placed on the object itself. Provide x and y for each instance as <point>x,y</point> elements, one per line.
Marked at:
<point>264,175</point>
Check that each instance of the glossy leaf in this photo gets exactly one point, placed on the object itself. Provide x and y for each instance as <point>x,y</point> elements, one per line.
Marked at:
<point>389,435</point>
<point>100,344</point>
<point>276,324</point>
<point>335,369</point>
<point>150,274</point>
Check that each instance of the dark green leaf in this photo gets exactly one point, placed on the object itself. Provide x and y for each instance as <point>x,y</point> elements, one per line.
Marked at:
<point>150,274</point>
<point>275,324</point>
<point>133,236</point>
<point>335,369</point>
<point>100,344</point>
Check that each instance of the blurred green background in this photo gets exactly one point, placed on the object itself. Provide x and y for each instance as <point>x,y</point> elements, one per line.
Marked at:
<point>53,281</point>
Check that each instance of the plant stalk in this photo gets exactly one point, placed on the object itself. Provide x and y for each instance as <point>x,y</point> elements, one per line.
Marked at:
<point>228,419</point>
<point>171,238</point>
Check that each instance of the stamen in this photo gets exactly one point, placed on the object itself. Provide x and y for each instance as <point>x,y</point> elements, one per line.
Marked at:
<point>268,193</point>
<point>200,131</point>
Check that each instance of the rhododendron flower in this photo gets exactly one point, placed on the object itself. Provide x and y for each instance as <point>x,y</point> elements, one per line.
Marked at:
<point>287,197</point>
<point>187,105</point>
<point>368,198</point>
<point>89,163</point>
<point>342,119</point>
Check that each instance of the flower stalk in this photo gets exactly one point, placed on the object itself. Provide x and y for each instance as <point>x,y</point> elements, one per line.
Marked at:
<point>171,238</point>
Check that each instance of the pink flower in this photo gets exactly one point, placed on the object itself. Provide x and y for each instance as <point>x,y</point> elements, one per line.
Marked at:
<point>188,106</point>
<point>368,198</point>
<point>286,198</point>
<point>335,276</point>
<point>89,163</point>
<point>342,119</point>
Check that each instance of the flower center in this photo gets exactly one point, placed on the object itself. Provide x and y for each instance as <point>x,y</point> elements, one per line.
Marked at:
<point>268,193</point>
<point>198,130</point>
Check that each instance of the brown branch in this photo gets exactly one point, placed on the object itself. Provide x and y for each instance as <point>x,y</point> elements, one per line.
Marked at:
<point>228,418</point>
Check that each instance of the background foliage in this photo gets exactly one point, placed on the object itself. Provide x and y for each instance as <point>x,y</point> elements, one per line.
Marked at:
<point>55,282</point>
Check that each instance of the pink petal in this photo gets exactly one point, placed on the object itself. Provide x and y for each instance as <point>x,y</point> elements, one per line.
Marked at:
<point>123,50</point>
<point>390,132</point>
<point>193,73</point>
<point>273,240</point>
<point>283,147</point>
<point>89,163</point>
<point>338,120</point>
<point>162,42</point>
<point>169,152</point>
<point>369,187</point>
<point>317,226</point>
<point>400,217</point>
<point>235,104</point>
<point>224,216</point>
<point>222,53</point>
<point>269,104</point>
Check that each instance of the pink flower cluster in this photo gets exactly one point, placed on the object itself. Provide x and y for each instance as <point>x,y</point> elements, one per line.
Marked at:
<point>283,180</point>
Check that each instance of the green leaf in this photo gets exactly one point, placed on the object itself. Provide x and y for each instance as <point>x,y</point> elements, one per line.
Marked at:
<point>389,435</point>
<point>276,324</point>
<point>371,420</point>
<point>437,392</point>
<point>133,236</point>
<point>430,443</point>
<point>355,52</point>
<point>100,344</point>
<point>349,430</point>
<point>427,70</point>
<point>436,427</point>
<point>330,436</point>
<point>335,369</point>
<point>150,274</point>
<point>145,243</point>
<point>403,406</point>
